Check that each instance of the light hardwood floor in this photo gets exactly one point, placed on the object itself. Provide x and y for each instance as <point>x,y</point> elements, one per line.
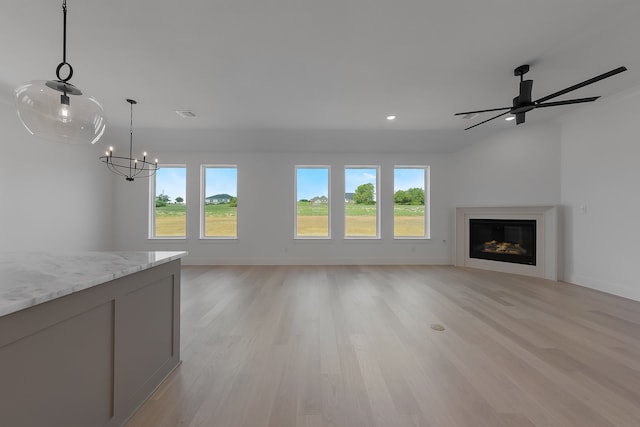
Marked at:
<point>352,346</point>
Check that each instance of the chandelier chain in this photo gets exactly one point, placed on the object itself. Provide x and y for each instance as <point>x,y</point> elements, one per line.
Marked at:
<point>130,136</point>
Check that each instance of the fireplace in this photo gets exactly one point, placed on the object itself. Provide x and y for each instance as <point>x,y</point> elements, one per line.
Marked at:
<point>533,228</point>
<point>505,240</point>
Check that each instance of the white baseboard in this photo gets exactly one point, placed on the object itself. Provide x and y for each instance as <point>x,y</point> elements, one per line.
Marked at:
<point>188,260</point>
<point>607,287</point>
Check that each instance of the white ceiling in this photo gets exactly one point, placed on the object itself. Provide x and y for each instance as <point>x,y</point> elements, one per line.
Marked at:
<point>343,65</point>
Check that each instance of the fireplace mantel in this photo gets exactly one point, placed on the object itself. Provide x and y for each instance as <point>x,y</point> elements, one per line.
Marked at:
<point>546,218</point>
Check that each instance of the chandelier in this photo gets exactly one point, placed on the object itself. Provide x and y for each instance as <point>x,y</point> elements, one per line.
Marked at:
<point>57,110</point>
<point>130,167</point>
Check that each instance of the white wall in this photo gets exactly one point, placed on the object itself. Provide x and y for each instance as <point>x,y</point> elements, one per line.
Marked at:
<point>590,159</point>
<point>601,173</point>
<point>517,167</point>
<point>54,197</point>
<point>59,197</point>
<point>266,212</point>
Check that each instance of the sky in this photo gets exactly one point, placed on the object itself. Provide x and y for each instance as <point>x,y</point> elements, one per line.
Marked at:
<point>354,177</point>
<point>221,181</point>
<point>405,178</point>
<point>172,182</point>
<point>311,182</point>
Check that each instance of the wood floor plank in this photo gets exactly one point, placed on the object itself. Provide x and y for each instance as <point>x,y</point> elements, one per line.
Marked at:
<point>353,346</point>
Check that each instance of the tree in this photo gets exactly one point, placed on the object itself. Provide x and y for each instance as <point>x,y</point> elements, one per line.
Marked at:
<point>179,199</point>
<point>233,202</point>
<point>162,200</point>
<point>416,195</point>
<point>401,197</point>
<point>412,196</point>
<point>364,194</point>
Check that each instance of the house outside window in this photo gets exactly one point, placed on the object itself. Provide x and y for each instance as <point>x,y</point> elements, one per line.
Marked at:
<point>219,207</point>
<point>312,219</point>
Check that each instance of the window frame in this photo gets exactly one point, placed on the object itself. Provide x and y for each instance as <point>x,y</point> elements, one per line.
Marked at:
<point>152,204</point>
<point>378,198</point>
<point>427,202</point>
<point>203,189</point>
<point>295,203</point>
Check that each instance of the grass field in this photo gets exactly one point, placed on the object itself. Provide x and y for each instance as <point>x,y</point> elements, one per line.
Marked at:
<point>360,220</point>
<point>171,221</point>
<point>220,221</point>
<point>313,226</point>
<point>408,221</point>
<point>408,226</point>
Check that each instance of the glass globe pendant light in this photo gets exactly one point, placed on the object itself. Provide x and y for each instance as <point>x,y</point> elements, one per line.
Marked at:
<point>57,110</point>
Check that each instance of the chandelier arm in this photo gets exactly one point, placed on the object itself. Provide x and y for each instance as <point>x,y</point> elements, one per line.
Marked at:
<point>144,168</point>
<point>114,170</point>
<point>119,172</point>
<point>117,168</point>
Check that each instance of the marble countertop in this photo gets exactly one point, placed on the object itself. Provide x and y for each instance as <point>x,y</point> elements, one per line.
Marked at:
<point>31,278</point>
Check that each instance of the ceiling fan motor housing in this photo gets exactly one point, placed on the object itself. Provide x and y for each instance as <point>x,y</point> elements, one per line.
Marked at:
<point>522,103</point>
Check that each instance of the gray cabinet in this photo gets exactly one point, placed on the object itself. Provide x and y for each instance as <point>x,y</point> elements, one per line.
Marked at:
<point>93,357</point>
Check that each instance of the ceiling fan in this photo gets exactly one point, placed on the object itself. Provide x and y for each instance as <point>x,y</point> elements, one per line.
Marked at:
<point>523,103</point>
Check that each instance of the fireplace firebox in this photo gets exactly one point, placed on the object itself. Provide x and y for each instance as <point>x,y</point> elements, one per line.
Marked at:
<point>505,240</point>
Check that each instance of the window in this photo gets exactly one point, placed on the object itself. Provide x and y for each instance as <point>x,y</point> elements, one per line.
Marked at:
<point>219,214</point>
<point>168,202</point>
<point>312,202</point>
<point>361,201</point>
<point>410,201</point>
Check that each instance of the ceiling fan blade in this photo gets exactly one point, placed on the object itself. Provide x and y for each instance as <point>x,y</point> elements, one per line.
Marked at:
<point>567,102</point>
<point>583,84</point>
<point>488,120</point>
<point>519,118</point>
<point>482,111</point>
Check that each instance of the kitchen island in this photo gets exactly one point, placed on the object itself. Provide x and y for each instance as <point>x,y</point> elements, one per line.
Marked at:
<point>85,337</point>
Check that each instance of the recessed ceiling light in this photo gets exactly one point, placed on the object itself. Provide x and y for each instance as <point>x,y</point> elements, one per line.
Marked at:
<point>391,118</point>
<point>510,118</point>
<point>185,113</point>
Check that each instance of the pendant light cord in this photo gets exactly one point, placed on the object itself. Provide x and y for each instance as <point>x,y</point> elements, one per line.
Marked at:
<point>64,46</point>
<point>64,31</point>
